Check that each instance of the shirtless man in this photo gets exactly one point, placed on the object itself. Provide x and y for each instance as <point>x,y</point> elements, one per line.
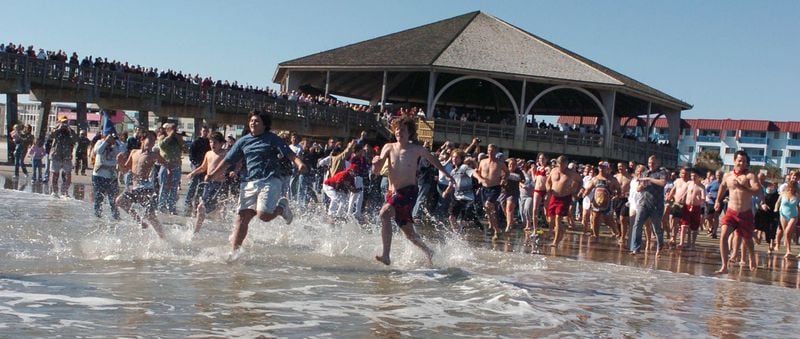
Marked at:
<point>692,211</point>
<point>602,190</point>
<point>539,173</point>
<point>561,184</point>
<point>491,173</point>
<point>212,185</point>
<point>140,163</point>
<point>403,157</point>
<point>621,205</point>
<point>676,195</point>
<point>741,186</point>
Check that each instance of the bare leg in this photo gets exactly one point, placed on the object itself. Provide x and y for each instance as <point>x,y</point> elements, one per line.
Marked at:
<point>151,217</point>
<point>415,239</point>
<point>723,248</point>
<point>684,229</point>
<point>240,226</point>
<point>751,253</point>
<point>67,182</point>
<point>510,207</point>
<point>387,213</point>
<point>779,234</point>
<point>789,235</point>
<point>537,200</point>
<point>595,224</point>
<point>491,215</point>
<point>555,224</point>
<point>201,216</point>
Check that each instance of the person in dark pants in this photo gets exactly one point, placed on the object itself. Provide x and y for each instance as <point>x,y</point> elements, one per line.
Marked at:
<point>82,153</point>
<point>197,151</point>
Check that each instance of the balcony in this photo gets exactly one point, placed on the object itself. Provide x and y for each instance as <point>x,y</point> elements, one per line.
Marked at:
<point>756,158</point>
<point>753,140</point>
<point>793,142</point>
<point>793,160</point>
<point>708,138</point>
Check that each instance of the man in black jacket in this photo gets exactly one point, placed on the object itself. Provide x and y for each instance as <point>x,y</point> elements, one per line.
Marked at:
<point>197,151</point>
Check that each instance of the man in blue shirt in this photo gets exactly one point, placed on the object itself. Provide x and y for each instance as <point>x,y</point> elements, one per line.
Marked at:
<point>260,190</point>
<point>650,206</point>
<point>712,189</point>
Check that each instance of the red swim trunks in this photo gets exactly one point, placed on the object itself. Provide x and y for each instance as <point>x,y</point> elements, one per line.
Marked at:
<point>692,216</point>
<point>403,201</point>
<point>559,206</point>
<point>743,222</point>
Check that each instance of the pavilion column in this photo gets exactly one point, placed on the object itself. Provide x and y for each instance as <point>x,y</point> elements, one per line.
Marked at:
<point>647,122</point>
<point>609,99</point>
<point>674,122</point>
<point>80,117</point>
<point>431,94</point>
<point>383,92</point>
<point>44,116</point>
<point>12,116</point>
<point>328,83</point>
<point>522,118</point>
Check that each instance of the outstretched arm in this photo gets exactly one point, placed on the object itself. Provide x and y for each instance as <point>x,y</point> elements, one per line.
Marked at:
<point>435,162</point>
<point>378,162</point>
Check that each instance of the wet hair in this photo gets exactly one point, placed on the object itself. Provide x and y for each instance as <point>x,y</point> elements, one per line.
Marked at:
<point>266,119</point>
<point>410,124</point>
<point>149,134</point>
<point>217,136</point>
<point>744,154</point>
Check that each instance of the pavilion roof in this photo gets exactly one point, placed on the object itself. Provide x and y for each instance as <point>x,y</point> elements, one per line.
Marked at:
<point>476,42</point>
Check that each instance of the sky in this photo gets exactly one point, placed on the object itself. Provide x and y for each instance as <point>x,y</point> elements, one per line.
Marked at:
<point>729,59</point>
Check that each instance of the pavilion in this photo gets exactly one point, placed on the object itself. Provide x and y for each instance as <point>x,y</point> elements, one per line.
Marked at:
<point>477,61</point>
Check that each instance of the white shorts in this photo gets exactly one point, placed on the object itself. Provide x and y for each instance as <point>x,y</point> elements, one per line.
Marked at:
<point>261,195</point>
<point>59,165</point>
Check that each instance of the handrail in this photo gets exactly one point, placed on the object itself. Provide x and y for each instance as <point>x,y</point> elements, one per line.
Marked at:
<point>117,83</point>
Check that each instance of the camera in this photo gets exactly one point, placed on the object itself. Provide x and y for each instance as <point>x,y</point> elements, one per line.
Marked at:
<point>478,139</point>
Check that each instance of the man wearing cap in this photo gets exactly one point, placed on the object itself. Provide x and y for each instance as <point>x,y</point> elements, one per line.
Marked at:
<point>490,173</point>
<point>63,139</point>
<point>170,148</point>
<point>106,153</point>
<point>81,153</point>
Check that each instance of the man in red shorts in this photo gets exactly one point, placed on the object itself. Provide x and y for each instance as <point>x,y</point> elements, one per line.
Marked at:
<point>562,184</point>
<point>403,157</point>
<point>692,217</point>
<point>741,186</point>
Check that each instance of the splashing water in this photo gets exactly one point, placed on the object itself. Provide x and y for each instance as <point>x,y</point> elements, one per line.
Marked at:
<point>64,272</point>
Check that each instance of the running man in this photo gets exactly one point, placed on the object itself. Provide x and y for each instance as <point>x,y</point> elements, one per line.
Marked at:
<point>211,187</point>
<point>491,173</point>
<point>143,192</point>
<point>539,174</point>
<point>602,190</point>
<point>260,190</point>
<point>692,215</point>
<point>741,185</point>
<point>403,157</point>
<point>562,184</point>
<point>621,205</point>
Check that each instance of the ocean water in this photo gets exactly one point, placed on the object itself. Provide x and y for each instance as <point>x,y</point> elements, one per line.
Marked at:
<point>64,272</point>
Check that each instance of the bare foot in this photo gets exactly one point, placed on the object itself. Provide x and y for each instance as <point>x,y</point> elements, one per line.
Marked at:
<point>429,255</point>
<point>788,255</point>
<point>753,267</point>
<point>658,254</point>
<point>386,261</point>
<point>722,270</point>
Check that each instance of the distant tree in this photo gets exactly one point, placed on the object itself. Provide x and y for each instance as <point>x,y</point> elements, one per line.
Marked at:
<point>773,173</point>
<point>708,160</point>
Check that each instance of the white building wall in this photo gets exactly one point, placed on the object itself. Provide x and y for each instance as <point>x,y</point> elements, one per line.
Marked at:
<point>786,157</point>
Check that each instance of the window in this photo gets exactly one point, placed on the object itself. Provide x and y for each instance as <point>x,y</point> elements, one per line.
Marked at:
<point>777,153</point>
<point>689,149</point>
<point>730,134</point>
<point>776,135</point>
<point>686,131</point>
<point>730,150</point>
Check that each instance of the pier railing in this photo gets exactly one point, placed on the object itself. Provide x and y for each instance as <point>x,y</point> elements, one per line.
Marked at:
<point>35,73</point>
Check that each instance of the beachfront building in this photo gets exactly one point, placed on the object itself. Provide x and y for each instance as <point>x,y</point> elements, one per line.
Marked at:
<point>768,143</point>
<point>28,113</point>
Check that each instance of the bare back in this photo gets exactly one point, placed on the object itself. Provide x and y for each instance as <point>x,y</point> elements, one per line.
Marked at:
<point>141,163</point>
<point>695,194</point>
